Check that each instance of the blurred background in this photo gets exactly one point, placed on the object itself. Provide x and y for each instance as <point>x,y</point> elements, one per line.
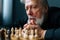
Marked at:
<point>12,12</point>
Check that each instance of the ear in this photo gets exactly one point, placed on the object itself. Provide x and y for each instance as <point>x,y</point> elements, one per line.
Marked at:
<point>46,9</point>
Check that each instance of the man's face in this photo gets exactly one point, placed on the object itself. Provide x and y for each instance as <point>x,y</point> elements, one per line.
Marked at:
<point>34,9</point>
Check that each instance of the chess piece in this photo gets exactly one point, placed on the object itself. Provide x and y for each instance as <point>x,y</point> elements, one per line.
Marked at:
<point>16,34</point>
<point>31,36</point>
<point>0,34</point>
<point>7,35</point>
<point>25,34</point>
<point>36,34</point>
<point>20,34</point>
<point>12,34</point>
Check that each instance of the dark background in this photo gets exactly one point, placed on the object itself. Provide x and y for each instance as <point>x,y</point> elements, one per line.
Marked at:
<point>18,13</point>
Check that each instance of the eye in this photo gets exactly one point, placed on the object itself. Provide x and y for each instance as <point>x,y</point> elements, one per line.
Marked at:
<point>26,8</point>
<point>34,7</point>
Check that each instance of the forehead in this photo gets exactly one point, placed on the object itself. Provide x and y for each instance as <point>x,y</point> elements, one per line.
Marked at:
<point>26,1</point>
<point>31,2</point>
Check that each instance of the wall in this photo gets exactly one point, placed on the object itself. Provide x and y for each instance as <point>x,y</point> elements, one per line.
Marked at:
<point>54,3</point>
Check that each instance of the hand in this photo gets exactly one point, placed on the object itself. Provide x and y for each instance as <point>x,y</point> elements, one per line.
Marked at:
<point>33,25</point>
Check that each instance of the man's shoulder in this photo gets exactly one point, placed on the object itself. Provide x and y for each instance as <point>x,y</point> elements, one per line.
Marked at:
<point>54,10</point>
<point>54,16</point>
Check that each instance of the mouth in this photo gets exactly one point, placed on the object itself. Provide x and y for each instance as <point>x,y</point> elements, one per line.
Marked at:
<point>31,17</point>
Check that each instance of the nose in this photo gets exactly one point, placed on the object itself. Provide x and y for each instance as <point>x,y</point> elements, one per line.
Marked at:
<point>29,12</point>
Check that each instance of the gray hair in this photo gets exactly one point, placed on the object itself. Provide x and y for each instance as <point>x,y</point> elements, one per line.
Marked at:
<point>43,2</point>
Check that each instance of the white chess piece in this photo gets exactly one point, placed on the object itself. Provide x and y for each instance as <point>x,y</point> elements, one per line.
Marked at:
<point>12,34</point>
<point>12,31</point>
<point>1,33</point>
<point>25,35</point>
<point>5,33</point>
<point>36,34</point>
<point>31,36</point>
<point>16,34</point>
<point>20,34</point>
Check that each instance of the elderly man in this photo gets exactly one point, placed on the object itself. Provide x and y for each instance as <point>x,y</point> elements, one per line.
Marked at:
<point>39,18</point>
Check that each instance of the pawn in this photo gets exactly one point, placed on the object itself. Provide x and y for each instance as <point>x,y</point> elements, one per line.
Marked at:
<point>12,31</point>
<point>0,34</point>
<point>25,34</point>
<point>16,34</point>
<point>36,34</point>
<point>20,34</point>
<point>5,33</point>
<point>12,34</point>
<point>31,36</point>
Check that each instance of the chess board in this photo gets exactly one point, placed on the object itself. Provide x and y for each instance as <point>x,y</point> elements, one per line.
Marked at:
<point>18,34</point>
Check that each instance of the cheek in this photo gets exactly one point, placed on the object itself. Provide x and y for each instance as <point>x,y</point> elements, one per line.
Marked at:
<point>38,13</point>
<point>27,12</point>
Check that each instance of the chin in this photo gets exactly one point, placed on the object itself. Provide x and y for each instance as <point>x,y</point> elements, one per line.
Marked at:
<point>38,21</point>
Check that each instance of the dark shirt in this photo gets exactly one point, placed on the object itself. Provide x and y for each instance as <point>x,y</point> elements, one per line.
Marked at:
<point>52,24</point>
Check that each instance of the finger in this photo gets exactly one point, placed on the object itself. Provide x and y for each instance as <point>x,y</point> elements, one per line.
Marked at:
<point>36,27</point>
<point>28,27</point>
<point>25,25</point>
<point>32,22</point>
<point>33,27</point>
